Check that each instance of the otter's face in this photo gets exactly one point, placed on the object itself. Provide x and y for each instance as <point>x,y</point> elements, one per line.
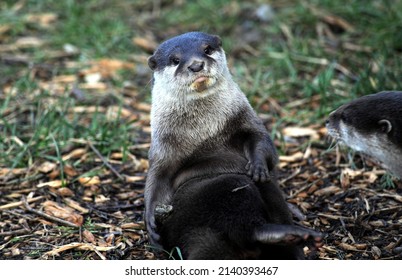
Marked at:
<point>189,64</point>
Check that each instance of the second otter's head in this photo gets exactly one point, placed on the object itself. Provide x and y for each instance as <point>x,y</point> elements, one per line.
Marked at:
<point>372,124</point>
<point>371,118</point>
<point>189,64</point>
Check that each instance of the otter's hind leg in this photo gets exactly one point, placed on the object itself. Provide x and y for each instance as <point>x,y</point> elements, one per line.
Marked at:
<point>285,235</point>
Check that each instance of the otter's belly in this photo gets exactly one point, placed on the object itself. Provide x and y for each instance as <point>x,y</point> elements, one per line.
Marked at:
<point>210,165</point>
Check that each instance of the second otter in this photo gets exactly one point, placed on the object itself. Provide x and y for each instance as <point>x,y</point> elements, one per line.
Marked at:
<point>372,124</point>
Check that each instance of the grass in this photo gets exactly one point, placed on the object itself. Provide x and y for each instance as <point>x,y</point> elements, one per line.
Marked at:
<point>299,55</point>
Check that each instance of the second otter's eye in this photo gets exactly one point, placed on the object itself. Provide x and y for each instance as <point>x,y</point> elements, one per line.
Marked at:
<point>175,60</point>
<point>208,50</point>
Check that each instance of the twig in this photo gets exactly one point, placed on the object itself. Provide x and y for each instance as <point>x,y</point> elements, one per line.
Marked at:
<point>294,174</point>
<point>19,203</point>
<point>46,216</point>
<point>335,217</point>
<point>14,232</point>
<point>81,246</point>
<point>105,162</point>
<point>301,189</point>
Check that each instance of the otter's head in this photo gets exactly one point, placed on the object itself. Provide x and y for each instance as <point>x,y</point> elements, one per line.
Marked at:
<point>190,65</point>
<point>371,124</point>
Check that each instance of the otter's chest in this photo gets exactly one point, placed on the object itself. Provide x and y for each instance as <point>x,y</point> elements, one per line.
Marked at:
<point>179,138</point>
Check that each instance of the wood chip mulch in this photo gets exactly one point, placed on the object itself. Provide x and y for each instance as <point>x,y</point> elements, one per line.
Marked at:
<point>101,217</point>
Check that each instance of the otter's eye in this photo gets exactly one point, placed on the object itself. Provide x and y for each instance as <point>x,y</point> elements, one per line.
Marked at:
<point>208,50</point>
<point>175,60</point>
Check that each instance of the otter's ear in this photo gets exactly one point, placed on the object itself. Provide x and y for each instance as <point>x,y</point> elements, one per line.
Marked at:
<point>386,126</point>
<point>218,40</point>
<point>152,62</point>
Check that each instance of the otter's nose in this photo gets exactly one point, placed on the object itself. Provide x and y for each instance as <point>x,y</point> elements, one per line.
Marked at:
<point>196,66</point>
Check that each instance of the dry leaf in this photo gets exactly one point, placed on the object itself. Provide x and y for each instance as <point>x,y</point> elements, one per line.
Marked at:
<point>75,205</point>
<point>110,239</point>
<point>327,191</point>
<point>93,78</point>
<point>107,68</point>
<point>80,246</point>
<point>292,158</point>
<point>145,43</point>
<point>114,112</point>
<point>378,223</point>
<point>54,174</point>
<point>15,251</point>
<point>144,165</point>
<point>88,236</point>
<point>4,28</point>
<point>126,195</point>
<point>68,79</point>
<point>300,132</point>
<point>47,166</point>
<point>101,198</point>
<point>89,181</point>
<point>77,153</point>
<point>116,156</point>
<point>352,173</point>
<point>134,236</point>
<point>347,247</point>
<point>372,177</point>
<point>14,171</point>
<point>65,192</point>
<point>70,171</point>
<point>142,106</point>
<point>94,86</point>
<point>52,184</point>
<point>52,208</point>
<point>360,246</point>
<point>29,42</point>
<point>45,20</point>
<point>345,180</point>
<point>133,179</point>
<point>133,226</point>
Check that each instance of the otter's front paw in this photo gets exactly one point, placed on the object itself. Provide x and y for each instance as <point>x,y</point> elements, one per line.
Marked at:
<point>258,170</point>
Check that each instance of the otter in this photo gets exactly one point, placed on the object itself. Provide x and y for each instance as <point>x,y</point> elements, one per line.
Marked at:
<point>208,150</point>
<point>372,124</point>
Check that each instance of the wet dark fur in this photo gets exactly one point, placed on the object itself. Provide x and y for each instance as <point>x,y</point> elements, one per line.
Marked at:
<point>216,218</point>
